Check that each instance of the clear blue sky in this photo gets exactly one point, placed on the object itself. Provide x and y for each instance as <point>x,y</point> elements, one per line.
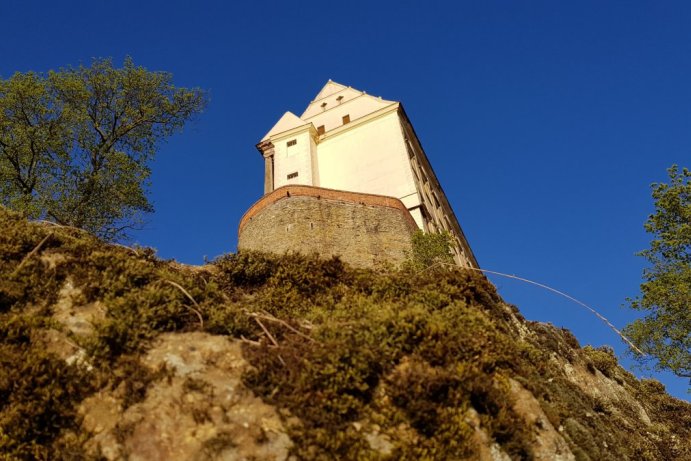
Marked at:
<point>545,121</point>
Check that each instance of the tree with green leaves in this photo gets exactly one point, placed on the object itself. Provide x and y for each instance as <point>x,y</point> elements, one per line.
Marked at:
<point>76,144</point>
<point>665,331</point>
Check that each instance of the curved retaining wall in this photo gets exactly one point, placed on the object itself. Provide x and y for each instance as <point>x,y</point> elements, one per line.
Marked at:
<point>364,230</point>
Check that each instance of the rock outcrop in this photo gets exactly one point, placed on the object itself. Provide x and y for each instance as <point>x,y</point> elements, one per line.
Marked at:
<point>198,409</point>
<point>107,352</point>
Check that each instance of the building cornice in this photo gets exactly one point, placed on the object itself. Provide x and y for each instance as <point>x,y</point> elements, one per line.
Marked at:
<point>360,121</point>
<point>331,133</point>
<point>274,138</point>
<point>265,147</point>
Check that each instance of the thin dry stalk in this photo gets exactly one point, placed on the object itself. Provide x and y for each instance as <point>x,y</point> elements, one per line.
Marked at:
<point>125,247</point>
<point>50,223</point>
<point>306,324</point>
<point>271,318</point>
<point>62,226</point>
<point>249,341</point>
<point>31,253</point>
<point>553,290</point>
<point>189,296</point>
<point>266,331</point>
<point>271,338</point>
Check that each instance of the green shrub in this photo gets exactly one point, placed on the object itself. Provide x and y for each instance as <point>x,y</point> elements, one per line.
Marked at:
<point>416,354</point>
<point>430,248</point>
<point>603,359</point>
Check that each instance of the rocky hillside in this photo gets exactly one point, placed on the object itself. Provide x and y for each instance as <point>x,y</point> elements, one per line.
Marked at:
<point>107,352</point>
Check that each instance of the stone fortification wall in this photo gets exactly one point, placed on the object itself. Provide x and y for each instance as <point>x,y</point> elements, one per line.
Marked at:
<point>364,230</point>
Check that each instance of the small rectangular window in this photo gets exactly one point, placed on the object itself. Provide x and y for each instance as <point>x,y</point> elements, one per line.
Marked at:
<point>346,118</point>
<point>320,129</point>
<point>292,142</point>
<point>293,175</point>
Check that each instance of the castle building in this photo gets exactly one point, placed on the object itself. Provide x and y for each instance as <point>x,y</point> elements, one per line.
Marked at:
<point>347,140</point>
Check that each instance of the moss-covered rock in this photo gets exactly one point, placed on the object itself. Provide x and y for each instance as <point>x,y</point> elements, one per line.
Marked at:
<point>351,363</point>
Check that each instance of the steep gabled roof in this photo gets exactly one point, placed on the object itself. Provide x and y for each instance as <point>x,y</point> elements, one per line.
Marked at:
<point>332,94</point>
<point>285,123</point>
<point>330,88</point>
<point>326,99</point>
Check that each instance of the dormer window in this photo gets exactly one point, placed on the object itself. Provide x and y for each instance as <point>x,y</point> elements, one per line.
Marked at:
<point>346,118</point>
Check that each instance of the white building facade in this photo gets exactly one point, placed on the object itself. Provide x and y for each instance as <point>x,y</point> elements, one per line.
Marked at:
<point>348,140</point>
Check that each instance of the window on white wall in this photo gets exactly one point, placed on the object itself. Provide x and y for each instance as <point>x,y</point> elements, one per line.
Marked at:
<point>293,175</point>
<point>292,142</point>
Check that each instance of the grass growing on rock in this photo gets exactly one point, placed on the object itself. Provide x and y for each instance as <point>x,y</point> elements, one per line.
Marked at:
<point>363,364</point>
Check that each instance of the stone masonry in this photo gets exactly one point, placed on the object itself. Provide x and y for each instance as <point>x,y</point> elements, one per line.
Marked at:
<point>364,230</point>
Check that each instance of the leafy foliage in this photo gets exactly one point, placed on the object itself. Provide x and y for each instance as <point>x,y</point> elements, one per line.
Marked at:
<point>75,144</point>
<point>430,248</point>
<point>665,331</point>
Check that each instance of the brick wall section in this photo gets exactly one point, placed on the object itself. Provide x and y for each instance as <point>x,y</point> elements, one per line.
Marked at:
<point>365,230</point>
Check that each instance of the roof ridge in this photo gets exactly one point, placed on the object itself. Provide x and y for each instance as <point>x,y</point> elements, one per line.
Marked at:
<point>343,87</point>
<point>330,108</point>
<point>287,119</point>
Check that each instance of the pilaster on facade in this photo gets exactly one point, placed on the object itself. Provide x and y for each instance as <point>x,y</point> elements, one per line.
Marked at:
<point>266,148</point>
